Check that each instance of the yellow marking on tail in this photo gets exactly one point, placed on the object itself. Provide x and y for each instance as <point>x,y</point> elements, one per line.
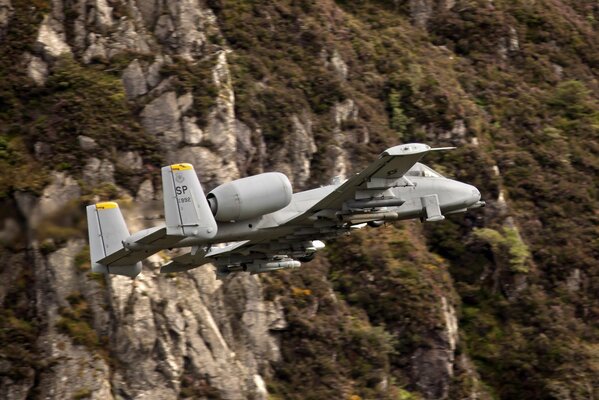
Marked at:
<point>106,205</point>
<point>181,167</point>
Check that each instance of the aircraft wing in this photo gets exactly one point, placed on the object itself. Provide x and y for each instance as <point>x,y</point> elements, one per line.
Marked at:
<point>387,171</point>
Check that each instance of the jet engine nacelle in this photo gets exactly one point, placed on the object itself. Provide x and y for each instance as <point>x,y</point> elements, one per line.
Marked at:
<point>250,197</point>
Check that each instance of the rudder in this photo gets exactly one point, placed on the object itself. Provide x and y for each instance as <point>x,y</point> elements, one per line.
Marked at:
<point>107,230</point>
<point>186,210</point>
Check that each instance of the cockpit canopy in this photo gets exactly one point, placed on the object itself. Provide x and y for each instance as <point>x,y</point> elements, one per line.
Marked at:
<point>422,170</point>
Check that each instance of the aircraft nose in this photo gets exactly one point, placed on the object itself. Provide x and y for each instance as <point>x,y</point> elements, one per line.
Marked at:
<point>470,195</point>
<point>475,195</point>
<point>457,195</point>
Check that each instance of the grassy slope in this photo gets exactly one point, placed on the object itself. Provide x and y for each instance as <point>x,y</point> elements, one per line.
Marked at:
<point>534,111</point>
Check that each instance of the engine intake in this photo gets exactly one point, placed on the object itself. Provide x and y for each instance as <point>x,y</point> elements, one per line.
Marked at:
<point>250,197</point>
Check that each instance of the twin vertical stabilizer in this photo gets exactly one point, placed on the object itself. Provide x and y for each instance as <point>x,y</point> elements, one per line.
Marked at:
<point>187,213</point>
<point>186,209</point>
<point>107,230</point>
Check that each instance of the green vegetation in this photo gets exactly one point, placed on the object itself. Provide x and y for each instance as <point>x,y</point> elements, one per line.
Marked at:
<point>195,78</point>
<point>15,155</point>
<point>278,73</point>
<point>82,394</point>
<point>386,274</point>
<point>17,336</point>
<point>76,322</point>
<point>76,101</point>
<point>398,119</point>
<point>405,395</point>
<point>82,260</point>
<point>17,163</point>
<point>353,339</point>
<point>69,222</point>
<point>328,348</point>
<point>507,244</point>
<point>19,329</point>
<point>85,101</point>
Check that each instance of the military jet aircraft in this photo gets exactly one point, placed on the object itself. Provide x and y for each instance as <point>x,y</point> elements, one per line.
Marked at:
<point>257,224</point>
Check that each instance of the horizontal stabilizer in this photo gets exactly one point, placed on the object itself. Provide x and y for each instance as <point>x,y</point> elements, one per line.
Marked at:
<point>153,237</point>
<point>124,257</point>
<point>140,246</point>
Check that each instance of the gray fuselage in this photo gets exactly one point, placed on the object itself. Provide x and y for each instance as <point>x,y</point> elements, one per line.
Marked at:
<point>453,196</point>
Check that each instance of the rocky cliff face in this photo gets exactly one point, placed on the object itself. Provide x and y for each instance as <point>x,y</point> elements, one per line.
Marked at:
<point>97,94</point>
<point>156,337</point>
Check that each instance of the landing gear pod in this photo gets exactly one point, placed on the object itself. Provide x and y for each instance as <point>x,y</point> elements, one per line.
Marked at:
<point>258,267</point>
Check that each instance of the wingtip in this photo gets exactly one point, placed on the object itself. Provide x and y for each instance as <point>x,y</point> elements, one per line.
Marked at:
<point>443,148</point>
<point>406,149</point>
<point>412,148</point>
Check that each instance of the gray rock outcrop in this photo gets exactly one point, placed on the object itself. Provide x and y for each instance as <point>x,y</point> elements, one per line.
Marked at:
<point>6,11</point>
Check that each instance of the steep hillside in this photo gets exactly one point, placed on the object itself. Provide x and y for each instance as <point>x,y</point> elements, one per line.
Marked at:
<point>96,95</point>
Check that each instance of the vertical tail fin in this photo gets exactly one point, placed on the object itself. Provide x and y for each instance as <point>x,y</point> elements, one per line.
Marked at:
<point>107,230</point>
<point>186,209</point>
